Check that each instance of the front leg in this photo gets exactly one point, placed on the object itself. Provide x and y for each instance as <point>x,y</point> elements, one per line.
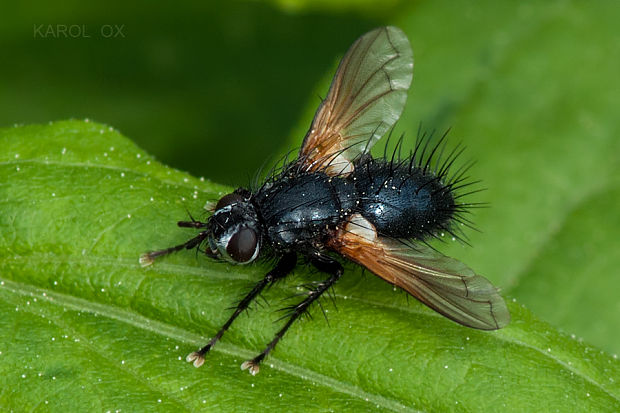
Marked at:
<point>323,263</point>
<point>285,265</point>
<point>147,258</point>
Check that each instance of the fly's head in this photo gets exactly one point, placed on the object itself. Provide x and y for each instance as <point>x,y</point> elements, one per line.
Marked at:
<point>234,231</point>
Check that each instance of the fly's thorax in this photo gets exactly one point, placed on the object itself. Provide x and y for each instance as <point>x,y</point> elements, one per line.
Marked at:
<point>234,230</point>
<point>301,209</point>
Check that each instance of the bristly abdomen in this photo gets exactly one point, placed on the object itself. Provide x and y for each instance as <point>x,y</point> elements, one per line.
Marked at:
<point>402,201</point>
<point>417,197</point>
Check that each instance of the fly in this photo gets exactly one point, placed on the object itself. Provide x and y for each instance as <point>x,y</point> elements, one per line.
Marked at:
<point>336,200</point>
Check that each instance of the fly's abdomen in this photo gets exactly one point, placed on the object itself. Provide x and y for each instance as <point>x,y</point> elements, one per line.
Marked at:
<point>403,202</point>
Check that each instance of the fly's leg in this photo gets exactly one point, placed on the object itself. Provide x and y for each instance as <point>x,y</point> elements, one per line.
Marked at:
<point>323,263</point>
<point>192,224</point>
<point>285,265</point>
<point>147,258</point>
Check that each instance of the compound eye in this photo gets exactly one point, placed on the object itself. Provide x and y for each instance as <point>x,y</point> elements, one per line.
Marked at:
<point>243,245</point>
<point>229,200</point>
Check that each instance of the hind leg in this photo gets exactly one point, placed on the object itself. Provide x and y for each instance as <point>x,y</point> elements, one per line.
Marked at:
<point>323,263</point>
<point>282,269</point>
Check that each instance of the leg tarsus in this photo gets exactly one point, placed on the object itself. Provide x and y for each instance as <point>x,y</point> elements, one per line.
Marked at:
<point>323,263</point>
<point>196,358</point>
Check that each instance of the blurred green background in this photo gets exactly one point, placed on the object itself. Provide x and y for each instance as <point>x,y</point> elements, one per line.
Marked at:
<point>217,88</point>
<point>210,88</point>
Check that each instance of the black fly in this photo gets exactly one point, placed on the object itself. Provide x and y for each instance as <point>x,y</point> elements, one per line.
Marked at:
<point>335,199</point>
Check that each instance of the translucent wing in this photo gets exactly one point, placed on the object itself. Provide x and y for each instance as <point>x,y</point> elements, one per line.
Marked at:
<point>366,97</point>
<point>442,283</point>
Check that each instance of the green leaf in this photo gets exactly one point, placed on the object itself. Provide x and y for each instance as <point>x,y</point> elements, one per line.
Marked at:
<point>84,327</point>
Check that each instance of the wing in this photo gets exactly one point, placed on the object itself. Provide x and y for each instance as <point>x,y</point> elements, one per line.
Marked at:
<point>366,97</point>
<point>442,283</point>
